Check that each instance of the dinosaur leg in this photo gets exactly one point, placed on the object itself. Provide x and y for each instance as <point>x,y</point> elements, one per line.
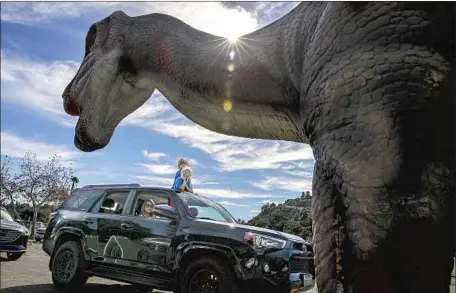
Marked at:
<point>383,239</point>
<point>383,200</point>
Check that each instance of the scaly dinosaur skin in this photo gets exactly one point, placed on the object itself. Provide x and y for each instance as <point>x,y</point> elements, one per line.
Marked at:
<point>370,86</point>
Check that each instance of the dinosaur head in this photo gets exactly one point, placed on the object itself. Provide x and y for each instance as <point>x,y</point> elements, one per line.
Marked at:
<point>107,86</point>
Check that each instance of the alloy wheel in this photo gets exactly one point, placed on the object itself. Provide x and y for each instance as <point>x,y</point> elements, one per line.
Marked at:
<point>204,281</point>
<point>65,266</point>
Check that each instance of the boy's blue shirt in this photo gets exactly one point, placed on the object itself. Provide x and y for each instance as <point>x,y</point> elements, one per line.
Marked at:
<point>178,174</point>
<point>178,182</point>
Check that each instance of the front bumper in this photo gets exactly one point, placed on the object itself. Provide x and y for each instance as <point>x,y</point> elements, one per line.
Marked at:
<point>18,245</point>
<point>286,268</point>
<point>301,282</point>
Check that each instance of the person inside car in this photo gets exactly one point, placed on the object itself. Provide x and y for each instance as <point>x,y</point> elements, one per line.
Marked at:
<point>147,208</point>
<point>184,181</point>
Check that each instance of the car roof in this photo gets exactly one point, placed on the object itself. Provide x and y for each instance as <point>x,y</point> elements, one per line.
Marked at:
<point>135,186</point>
<point>119,186</point>
<point>123,186</point>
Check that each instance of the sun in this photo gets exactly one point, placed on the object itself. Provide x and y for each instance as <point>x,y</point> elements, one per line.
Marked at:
<point>232,36</point>
<point>232,25</point>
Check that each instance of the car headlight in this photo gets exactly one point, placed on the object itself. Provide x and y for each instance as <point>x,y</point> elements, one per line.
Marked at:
<point>25,231</point>
<point>263,241</point>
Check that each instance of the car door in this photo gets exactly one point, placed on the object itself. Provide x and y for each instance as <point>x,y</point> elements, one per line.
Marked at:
<point>105,219</point>
<point>150,237</point>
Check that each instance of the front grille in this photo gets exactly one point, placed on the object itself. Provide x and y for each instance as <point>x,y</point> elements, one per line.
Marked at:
<point>302,264</point>
<point>9,235</point>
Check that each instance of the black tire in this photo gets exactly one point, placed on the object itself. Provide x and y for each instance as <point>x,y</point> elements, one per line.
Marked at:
<point>212,272</point>
<point>68,267</point>
<point>14,255</point>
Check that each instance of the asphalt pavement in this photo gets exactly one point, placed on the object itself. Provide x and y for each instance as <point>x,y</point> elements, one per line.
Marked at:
<point>30,274</point>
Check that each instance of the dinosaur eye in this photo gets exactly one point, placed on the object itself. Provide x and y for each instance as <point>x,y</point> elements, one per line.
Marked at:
<point>127,69</point>
<point>126,65</point>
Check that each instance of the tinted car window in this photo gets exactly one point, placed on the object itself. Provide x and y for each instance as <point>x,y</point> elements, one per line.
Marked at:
<point>159,199</point>
<point>79,200</point>
<point>114,202</point>
<point>204,208</point>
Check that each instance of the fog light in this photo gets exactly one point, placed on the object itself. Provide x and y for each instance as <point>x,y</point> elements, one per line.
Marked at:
<point>266,268</point>
<point>285,268</point>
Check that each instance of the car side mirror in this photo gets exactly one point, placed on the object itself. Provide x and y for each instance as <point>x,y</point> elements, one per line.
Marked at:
<point>193,212</point>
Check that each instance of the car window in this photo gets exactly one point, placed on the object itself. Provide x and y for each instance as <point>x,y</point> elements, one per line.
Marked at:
<point>113,202</point>
<point>208,213</point>
<point>203,208</point>
<point>78,200</point>
<point>147,198</point>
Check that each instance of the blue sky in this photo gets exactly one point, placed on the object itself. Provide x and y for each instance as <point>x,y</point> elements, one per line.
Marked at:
<point>42,45</point>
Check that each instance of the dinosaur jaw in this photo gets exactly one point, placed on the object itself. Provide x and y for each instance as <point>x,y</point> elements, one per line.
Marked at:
<point>85,143</point>
<point>88,138</point>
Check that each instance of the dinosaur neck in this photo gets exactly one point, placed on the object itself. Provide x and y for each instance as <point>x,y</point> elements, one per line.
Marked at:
<point>233,89</point>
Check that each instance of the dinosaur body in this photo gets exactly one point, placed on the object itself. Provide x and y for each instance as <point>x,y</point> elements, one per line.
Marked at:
<point>370,86</point>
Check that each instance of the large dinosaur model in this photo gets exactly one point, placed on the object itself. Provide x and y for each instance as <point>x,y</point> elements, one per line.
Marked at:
<point>369,85</point>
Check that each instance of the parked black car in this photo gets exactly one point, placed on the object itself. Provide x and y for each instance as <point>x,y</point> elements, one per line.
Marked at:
<point>13,236</point>
<point>192,244</point>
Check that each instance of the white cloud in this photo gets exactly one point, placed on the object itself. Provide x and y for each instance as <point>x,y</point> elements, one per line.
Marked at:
<point>227,193</point>
<point>283,183</point>
<point>204,179</point>
<point>153,156</point>
<point>211,17</point>
<point>16,147</point>
<point>160,169</point>
<point>234,153</point>
<point>229,203</point>
<point>153,181</point>
<point>37,85</point>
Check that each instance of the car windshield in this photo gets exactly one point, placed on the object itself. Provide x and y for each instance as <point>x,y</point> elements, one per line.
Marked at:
<point>207,209</point>
<point>4,215</point>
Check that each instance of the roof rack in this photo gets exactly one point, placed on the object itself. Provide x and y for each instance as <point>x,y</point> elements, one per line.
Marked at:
<point>113,185</point>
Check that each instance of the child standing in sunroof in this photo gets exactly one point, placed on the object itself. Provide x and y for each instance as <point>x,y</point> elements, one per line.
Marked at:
<point>181,163</point>
<point>184,181</point>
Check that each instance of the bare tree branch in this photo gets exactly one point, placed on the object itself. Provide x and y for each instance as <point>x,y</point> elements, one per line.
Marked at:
<point>9,188</point>
<point>43,182</point>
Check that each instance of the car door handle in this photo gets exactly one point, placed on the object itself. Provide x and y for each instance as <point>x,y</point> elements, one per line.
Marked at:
<point>125,226</point>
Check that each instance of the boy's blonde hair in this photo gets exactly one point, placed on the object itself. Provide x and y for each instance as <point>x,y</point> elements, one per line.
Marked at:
<point>181,162</point>
<point>186,172</point>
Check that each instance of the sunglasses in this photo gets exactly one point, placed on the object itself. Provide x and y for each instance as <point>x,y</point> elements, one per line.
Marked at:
<point>149,206</point>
